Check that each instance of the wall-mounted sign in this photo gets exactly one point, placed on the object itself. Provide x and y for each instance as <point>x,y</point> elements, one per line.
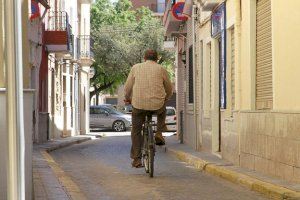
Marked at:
<point>35,10</point>
<point>218,30</point>
<point>218,21</point>
<point>177,11</point>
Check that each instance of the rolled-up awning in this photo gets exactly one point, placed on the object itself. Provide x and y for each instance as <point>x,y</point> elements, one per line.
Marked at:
<point>188,8</point>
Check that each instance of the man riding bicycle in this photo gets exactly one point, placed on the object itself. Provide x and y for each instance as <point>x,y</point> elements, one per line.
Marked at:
<point>148,87</point>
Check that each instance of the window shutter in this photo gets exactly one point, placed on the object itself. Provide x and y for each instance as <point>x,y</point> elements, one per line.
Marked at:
<point>264,85</point>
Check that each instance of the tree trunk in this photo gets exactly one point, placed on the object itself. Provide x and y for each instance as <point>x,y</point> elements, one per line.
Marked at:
<point>97,99</point>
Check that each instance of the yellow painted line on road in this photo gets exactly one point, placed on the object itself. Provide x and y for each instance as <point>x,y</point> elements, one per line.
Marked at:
<point>71,187</point>
<point>272,191</point>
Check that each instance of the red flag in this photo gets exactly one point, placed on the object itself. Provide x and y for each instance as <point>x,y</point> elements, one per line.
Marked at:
<point>35,10</point>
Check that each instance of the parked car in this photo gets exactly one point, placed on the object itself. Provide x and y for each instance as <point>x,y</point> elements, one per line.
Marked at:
<point>106,116</point>
<point>170,119</point>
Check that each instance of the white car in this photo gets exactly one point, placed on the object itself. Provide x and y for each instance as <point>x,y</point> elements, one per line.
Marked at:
<point>170,119</point>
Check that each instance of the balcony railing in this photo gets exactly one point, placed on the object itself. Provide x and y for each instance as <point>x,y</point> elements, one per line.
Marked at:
<point>169,43</point>
<point>85,46</point>
<point>58,21</point>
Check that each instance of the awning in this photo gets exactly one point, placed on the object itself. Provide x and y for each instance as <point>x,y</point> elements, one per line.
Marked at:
<point>44,3</point>
<point>188,8</point>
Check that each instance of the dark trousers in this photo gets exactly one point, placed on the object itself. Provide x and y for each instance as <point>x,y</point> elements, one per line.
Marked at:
<point>138,119</point>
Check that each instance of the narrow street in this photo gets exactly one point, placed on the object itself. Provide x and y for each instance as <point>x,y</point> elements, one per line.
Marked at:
<point>102,170</point>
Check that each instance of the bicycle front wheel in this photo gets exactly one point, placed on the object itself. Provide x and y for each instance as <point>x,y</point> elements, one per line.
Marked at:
<point>151,161</point>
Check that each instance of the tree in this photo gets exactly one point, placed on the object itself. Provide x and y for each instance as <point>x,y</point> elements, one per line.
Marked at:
<point>121,36</point>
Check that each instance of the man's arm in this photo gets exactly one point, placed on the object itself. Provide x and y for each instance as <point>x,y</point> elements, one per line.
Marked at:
<point>129,86</point>
<point>167,84</point>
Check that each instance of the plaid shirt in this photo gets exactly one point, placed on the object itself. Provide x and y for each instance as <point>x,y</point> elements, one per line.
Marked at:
<point>148,86</point>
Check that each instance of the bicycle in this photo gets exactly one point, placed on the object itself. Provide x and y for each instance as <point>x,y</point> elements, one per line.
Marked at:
<point>148,148</point>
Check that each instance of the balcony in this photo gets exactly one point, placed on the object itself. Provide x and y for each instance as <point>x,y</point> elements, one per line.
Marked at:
<point>171,24</point>
<point>58,34</point>
<point>169,43</point>
<point>85,46</point>
<point>209,5</point>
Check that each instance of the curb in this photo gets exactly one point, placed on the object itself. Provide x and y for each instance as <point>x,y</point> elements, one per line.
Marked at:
<point>268,189</point>
<point>66,144</point>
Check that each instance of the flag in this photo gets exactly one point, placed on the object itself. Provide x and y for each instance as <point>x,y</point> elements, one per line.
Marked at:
<point>35,10</point>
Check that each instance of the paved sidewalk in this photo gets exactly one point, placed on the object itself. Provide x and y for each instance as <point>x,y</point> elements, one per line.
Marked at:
<point>272,187</point>
<point>49,181</point>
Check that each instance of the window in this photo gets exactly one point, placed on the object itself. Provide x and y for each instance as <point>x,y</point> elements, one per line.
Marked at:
<point>191,75</point>
<point>97,111</point>
<point>170,112</point>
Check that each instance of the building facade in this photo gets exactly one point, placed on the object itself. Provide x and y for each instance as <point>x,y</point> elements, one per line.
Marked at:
<point>68,41</point>
<point>157,6</point>
<point>238,93</point>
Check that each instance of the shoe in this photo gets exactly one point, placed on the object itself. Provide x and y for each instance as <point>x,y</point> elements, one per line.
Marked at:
<point>159,139</point>
<point>137,163</point>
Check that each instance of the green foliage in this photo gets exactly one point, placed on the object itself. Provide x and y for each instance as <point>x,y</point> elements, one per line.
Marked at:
<point>121,36</point>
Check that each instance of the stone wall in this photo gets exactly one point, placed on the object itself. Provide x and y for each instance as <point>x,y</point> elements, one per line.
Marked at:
<point>230,138</point>
<point>270,143</point>
<point>206,134</point>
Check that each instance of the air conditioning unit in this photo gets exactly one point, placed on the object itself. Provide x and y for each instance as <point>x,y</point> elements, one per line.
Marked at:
<point>209,5</point>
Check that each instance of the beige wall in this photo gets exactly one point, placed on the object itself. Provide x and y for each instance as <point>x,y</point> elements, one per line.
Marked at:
<point>3,146</point>
<point>26,65</point>
<point>206,122</point>
<point>286,44</point>
<point>2,81</point>
<point>246,95</point>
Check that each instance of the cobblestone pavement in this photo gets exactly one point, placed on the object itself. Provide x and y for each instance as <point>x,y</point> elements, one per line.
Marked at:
<point>102,170</point>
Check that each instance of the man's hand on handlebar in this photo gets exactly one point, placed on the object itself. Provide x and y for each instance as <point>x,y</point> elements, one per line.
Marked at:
<point>127,102</point>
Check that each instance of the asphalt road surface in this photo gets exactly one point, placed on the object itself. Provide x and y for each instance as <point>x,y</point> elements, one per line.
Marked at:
<point>102,169</point>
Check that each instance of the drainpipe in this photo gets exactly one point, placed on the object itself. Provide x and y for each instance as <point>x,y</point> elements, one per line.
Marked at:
<point>238,56</point>
<point>14,83</point>
<point>194,73</point>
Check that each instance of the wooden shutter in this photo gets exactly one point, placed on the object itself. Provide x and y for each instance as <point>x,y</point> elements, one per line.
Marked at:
<point>232,69</point>
<point>264,85</point>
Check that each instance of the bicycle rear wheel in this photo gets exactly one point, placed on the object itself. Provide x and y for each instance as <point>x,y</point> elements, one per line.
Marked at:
<point>146,153</point>
<point>151,161</point>
<point>151,151</point>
